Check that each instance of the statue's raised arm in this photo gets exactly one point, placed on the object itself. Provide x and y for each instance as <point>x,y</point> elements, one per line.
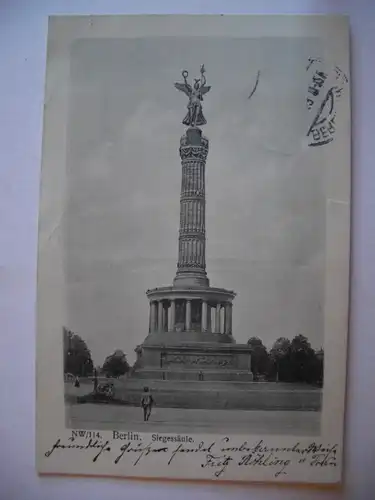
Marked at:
<point>203,87</point>
<point>195,92</point>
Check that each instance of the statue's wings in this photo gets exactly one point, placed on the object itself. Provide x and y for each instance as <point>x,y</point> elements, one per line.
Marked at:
<point>184,87</point>
<point>204,90</point>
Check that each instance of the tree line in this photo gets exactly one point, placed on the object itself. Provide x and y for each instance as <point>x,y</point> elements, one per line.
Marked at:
<point>287,361</point>
<point>77,356</point>
<point>78,360</point>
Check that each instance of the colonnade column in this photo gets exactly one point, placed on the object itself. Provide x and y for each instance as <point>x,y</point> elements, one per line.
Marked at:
<point>152,316</point>
<point>188,315</point>
<point>149,318</point>
<point>172,316</point>
<point>231,319</point>
<point>228,319</point>
<point>165,317</point>
<point>204,316</point>
<point>160,316</point>
<point>217,318</point>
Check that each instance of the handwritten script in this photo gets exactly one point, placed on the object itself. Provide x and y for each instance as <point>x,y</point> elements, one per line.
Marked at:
<point>214,455</point>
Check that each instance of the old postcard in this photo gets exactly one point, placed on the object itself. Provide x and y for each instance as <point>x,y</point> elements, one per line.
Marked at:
<point>193,274</point>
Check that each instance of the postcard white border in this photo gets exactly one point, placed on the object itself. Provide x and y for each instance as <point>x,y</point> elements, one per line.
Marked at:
<point>50,422</point>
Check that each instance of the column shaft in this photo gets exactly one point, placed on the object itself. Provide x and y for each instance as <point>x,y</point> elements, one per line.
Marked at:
<point>204,316</point>
<point>209,313</point>
<point>149,319</point>
<point>191,265</point>
<point>153,316</point>
<point>160,316</point>
<point>231,319</point>
<point>172,316</point>
<point>217,318</point>
<point>165,317</point>
<point>228,326</point>
<point>188,314</point>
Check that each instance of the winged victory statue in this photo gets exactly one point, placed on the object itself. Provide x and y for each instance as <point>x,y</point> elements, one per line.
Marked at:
<point>195,93</point>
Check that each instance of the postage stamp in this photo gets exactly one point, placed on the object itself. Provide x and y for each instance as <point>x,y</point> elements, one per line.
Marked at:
<point>326,88</point>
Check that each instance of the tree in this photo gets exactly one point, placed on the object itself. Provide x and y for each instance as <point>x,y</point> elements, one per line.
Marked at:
<point>319,367</point>
<point>259,356</point>
<point>302,360</point>
<point>116,364</point>
<point>279,355</point>
<point>77,356</point>
<point>296,361</point>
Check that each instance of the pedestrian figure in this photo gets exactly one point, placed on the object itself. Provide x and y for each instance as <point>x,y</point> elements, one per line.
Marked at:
<point>76,382</point>
<point>146,403</point>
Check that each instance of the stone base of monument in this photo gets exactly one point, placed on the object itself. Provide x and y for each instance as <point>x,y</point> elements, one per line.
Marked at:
<point>193,375</point>
<point>207,375</point>
<point>199,360</point>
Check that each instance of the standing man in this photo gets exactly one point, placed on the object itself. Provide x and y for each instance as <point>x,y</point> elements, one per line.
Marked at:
<point>146,403</point>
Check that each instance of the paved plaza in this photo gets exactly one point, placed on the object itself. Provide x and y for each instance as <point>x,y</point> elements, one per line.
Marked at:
<point>108,417</point>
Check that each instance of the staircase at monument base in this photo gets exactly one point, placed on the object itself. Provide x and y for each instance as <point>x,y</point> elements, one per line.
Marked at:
<point>192,375</point>
<point>222,395</point>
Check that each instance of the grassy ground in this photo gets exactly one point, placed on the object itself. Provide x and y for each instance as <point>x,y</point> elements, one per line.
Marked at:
<point>110,417</point>
<point>173,420</point>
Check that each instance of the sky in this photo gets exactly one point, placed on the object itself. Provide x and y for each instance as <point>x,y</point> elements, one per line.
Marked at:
<point>265,200</point>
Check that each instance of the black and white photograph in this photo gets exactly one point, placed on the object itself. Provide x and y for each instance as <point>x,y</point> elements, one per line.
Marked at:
<point>197,230</point>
